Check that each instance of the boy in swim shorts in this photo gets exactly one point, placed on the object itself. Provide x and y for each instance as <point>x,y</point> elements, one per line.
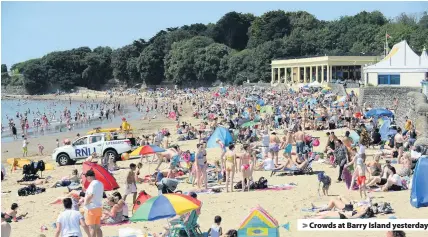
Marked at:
<point>361,176</point>
<point>326,182</point>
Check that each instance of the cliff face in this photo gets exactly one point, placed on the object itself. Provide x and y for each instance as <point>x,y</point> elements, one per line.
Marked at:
<point>412,103</point>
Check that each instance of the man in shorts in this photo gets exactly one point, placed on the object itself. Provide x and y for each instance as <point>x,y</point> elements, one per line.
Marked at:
<point>93,204</point>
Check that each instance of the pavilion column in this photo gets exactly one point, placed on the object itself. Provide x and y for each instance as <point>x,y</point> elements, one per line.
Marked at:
<point>272,81</point>
<point>292,75</point>
<point>328,73</point>
<point>331,74</point>
<point>298,74</point>
<point>304,75</point>
<point>278,74</point>
<point>322,73</point>
<point>285,75</point>
<point>316,73</point>
<point>311,74</point>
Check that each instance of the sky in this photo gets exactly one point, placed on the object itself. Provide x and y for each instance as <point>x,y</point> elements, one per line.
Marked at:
<point>33,29</point>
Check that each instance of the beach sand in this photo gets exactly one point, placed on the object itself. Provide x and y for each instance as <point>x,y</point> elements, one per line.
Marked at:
<point>285,206</point>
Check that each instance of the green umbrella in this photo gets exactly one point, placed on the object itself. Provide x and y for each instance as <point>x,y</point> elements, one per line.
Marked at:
<point>248,124</point>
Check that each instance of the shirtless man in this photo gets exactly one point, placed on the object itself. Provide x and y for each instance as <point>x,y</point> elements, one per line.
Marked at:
<point>166,156</point>
<point>299,137</point>
<point>399,142</point>
<point>274,146</point>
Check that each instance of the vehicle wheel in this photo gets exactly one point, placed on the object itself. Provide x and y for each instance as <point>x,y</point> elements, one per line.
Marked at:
<point>63,159</point>
<point>111,154</point>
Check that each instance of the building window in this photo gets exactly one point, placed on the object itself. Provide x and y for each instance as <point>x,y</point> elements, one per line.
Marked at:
<point>388,79</point>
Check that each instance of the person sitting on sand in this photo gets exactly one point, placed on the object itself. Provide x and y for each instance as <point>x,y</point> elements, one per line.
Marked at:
<point>293,164</point>
<point>13,213</point>
<point>122,204</point>
<point>115,214</point>
<point>374,166</point>
<point>393,183</point>
<point>356,214</point>
<point>67,181</point>
<point>406,168</point>
<point>383,177</point>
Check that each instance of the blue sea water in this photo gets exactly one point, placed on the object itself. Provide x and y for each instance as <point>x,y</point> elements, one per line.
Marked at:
<point>33,109</point>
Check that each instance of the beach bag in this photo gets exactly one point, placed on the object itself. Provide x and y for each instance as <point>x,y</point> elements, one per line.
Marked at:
<point>41,165</point>
<point>262,183</point>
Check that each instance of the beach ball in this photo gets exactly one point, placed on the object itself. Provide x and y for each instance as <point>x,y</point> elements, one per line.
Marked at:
<point>125,156</point>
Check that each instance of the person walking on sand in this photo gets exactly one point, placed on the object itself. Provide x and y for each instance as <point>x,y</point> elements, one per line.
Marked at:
<point>69,221</point>
<point>93,204</point>
<point>25,147</point>
<point>131,185</point>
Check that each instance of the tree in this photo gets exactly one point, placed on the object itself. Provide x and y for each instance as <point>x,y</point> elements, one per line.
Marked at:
<point>302,20</point>
<point>150,65</point>
<point>119,62</point>
<point>208,61</point>
<point>35,77</point>
<point>423,21</point>
<point>232,29</point>
<point>180,60</point>
<point>271,25</point>
<point>3,68</point>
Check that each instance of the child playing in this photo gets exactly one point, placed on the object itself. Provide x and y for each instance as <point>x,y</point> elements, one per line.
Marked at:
<point>131,185</point>
<point>326,181</point>
<point>57,143</point>
<point>215,230</point>
<point>25,147</point>
<point>41,147</point>
<point>360,171</point>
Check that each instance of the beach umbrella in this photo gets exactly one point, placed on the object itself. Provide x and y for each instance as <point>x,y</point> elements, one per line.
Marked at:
<point>379,113</point>
<point>165,206</point>
<point>146,150</point>
<point>248,124</point>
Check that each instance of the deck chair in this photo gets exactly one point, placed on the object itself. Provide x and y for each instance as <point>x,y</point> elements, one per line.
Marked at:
<point>304,170</point>
<point>190,227</point>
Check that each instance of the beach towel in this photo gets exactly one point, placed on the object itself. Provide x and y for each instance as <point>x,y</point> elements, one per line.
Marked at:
<point>347,177</point>
<point>117,224</point>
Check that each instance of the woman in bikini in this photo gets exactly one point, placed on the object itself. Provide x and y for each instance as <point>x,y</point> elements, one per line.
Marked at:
<point>230,161</point>
<point>245,166</point>
<point>201,166</point>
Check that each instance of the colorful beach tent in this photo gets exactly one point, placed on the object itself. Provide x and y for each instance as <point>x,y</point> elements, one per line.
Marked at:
<point>220,133</point>
<point>259,223</point>
<point>355,137</point>
<point>419,192</point>
<point>142,198</point>
<point>101,175</point>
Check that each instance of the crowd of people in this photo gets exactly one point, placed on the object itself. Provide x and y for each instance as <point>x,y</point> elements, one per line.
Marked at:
<point>271,131</point>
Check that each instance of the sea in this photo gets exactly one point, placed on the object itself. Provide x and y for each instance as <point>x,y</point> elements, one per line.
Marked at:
<point>34,109</point>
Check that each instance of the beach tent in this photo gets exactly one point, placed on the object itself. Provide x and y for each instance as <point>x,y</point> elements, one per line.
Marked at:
<point>419,192</point>
<point>384,129</point>
<point>101,174</point>
<point>259,223</point>
<point>220,133</point>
